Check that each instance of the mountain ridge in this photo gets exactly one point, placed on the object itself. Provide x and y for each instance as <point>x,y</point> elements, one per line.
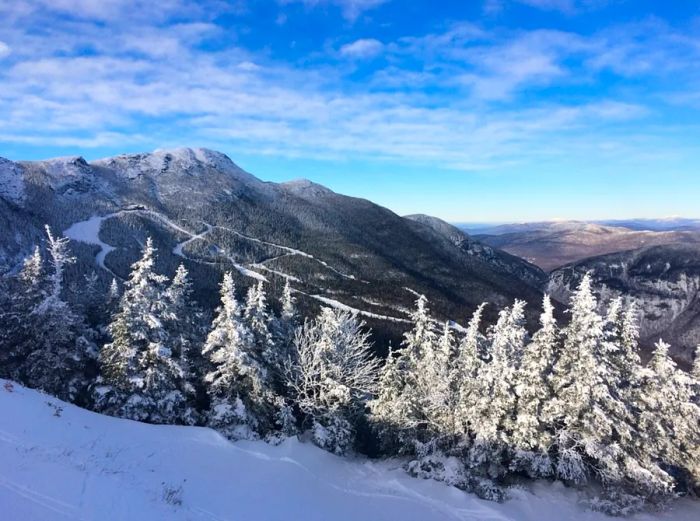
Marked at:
<point>204,210</point>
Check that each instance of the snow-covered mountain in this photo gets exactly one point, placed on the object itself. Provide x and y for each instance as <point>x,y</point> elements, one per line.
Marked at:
<point>60,462</point>
<point>664,281</point>
<point>203,210</point>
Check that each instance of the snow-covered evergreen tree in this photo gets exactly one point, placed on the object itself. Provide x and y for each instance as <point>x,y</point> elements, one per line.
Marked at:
<point>184,329</point>
<point>57,345</point>
<point>467,374</point>
<point>531,437</point>
<point>259,321</point>
<point>669,421</point>
<point>594,433</point>
<point>392,411</point>
<point>495,411</point>
<point>142,377</point>
<point>285,326</point>
<point>242,404</point>
<point>332,376</point>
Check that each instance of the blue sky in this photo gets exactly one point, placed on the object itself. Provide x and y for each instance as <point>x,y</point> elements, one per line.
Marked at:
<point>473,110</point>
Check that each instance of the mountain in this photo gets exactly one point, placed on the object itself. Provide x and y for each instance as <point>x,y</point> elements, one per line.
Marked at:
<point>550,245</point>
<point>200,208</point>
<point>663,280</point>
<point>62,462</point>
<point>497,260</point>
<point>667,224</point>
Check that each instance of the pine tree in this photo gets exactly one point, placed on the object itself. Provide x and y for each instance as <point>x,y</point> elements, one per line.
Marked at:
<point>20,297</point>
<point>58,259</point>
<point>332,376</point>
<point>593,434</point>
<point>392,412</point>
<point>285,326</point>
<point>531,437</point>
<point>242,405</point>
<point>32,268</point>
<point>141,375</point>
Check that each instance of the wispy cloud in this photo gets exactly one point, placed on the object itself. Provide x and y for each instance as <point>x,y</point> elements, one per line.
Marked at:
<point>351,9</point>
<point>363,48</point>
<point>451,98</point>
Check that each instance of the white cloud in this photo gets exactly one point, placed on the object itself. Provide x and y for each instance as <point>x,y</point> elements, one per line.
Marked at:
<point>363,48</point>
<point>4,50</point>
<point>155,84</point>
<point>351,9</point>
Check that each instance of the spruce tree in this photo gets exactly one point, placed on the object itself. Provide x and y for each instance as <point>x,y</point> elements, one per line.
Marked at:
<point>467,374</point>
<point>242,404</point>
<point>142,378</point>
<point>531,436</point>
<point>495,411</point>
<point>58,345</point>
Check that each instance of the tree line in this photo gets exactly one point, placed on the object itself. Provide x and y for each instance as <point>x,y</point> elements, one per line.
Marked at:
<point>479,407</point>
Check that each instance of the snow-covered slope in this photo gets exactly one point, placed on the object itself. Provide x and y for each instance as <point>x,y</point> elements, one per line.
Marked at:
<point>58,462</point>
<point>11,182</point>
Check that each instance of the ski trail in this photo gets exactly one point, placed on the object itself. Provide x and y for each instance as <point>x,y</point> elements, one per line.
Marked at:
<point>290,278</point>
<point>177,250</point>
<point>355,311</point>
<point>293,251</point>
<point>88,232</point>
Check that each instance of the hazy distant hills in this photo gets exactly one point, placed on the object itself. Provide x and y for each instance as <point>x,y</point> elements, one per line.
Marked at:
<point>553,244</point>
<point>203,210</point>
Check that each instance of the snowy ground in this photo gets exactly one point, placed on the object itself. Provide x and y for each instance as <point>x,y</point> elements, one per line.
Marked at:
<point>60,462</point>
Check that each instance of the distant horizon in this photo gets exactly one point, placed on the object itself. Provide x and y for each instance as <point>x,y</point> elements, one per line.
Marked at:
<point>492,110</point>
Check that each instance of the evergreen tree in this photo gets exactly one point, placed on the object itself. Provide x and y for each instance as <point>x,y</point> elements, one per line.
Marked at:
<point>392,412</point>
<point>594,436</point>
<point>142,378</point>
<point>495,411</point>
<point>259,322</point>
<point>669,421</point>
<point>20,297</point>
<point>242,405</point>
<point>531,436</point>
<point>285,327</point>
<point>467,374</point>
<point>183,325</point>
<point>57,345</point>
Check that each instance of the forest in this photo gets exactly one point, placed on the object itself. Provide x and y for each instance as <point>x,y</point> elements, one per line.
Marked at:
<point>483,408</point>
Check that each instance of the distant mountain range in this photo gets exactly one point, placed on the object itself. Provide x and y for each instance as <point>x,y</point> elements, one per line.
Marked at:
<point>551,245</point>
<point>201,209</point>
